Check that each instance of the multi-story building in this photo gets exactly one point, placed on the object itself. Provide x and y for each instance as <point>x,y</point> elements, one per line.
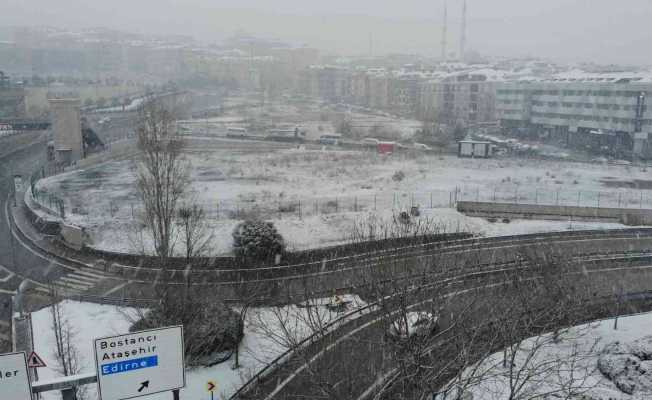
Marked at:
<point>427,110</point>
<point>607,113</point>
<point>326,82</point>
<point>378,90</point>
<point>404,93</point>
<point>462,98</point>
<point>12,98</point>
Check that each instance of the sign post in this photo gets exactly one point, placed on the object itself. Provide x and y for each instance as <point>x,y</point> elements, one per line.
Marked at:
<point>140,363</point>
<point>211,386</point>
<point>14,379</point>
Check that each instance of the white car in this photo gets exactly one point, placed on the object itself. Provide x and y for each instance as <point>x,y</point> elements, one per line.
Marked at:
<point>370,141</point>
<point>417,323</point>
<point>421,146</point>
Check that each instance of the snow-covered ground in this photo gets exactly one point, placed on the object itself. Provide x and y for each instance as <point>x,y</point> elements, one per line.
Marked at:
<point>315,197</point>
<point>262,342</point>
<point>578,352</point>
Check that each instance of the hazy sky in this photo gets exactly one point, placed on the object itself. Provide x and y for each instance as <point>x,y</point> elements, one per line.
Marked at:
<point>572,30</point>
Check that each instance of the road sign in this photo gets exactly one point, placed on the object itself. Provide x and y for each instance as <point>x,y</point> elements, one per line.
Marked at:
<point>140,363</point>
<point>35,361</point>
<point>210,386</point>
<point>14,381</point>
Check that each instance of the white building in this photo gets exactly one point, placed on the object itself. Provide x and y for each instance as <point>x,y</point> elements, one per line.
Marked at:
<point>606,112</point>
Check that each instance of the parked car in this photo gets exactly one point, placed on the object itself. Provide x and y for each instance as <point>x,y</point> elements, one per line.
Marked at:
<point>330,139</point>
<point>417,323</point>
<point>371,142</point>
<point>421,146</point>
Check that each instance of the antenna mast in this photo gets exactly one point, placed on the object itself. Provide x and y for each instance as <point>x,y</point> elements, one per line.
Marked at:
<point>444,34</point>
<point>463,33</point>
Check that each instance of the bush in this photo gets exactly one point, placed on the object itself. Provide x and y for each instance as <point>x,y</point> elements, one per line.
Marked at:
<point>257,240</point>
<point>398,176</point>
<point>212,331</point>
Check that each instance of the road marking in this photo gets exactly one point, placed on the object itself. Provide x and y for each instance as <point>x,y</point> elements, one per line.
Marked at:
<point>115,289</point>
<point>9,274</point>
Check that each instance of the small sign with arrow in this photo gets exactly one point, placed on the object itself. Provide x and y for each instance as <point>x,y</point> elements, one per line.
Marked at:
<point>35,361</point>
<point>211,386</point>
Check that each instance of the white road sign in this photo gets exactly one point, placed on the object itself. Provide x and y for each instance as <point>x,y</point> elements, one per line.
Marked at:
<point>140,363</point>
<point>14,381</point>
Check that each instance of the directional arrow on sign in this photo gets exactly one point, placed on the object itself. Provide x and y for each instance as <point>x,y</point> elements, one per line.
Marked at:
<point>143,385</point>
<point>210,386</point>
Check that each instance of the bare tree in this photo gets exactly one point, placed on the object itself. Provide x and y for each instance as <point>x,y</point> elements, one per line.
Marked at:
<point>162,174</point>
<point>195,233</point>
<point>66,353</point>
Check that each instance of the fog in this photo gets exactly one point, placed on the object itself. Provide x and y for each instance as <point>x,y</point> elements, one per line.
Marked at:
<point>603,31</point>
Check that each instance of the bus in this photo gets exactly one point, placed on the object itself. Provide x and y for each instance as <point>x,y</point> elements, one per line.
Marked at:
<point>236,132</point>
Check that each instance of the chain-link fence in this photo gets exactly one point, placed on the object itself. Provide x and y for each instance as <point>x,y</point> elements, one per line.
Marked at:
<point>625,198</point>
<point>279,208</point>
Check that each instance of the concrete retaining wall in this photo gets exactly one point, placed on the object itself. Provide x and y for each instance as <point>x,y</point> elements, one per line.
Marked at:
<point>627,216</point>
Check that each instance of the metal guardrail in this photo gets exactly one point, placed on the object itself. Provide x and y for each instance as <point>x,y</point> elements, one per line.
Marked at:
<point>332,265</point>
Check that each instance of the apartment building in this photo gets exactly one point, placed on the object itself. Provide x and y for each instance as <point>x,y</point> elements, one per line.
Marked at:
<point>463,98</point>
<point>605,113</point>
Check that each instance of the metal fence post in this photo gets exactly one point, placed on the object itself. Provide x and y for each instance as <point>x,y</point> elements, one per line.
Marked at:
<point>619,194</point>
<point>598,199</point>
<point>374,202</point>
<point>516,194</point>
<point>641,199</point>
<point>430,199</point>
<point>579,197</point>
<point>536,196</point>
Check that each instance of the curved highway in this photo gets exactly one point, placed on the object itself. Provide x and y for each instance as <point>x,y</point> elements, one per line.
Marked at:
<point>19,259</point>
<point>349,361</point>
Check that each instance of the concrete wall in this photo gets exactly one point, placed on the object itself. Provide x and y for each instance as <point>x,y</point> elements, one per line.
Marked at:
<point>532,211</point>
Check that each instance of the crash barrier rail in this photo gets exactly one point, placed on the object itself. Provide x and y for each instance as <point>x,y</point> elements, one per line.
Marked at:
<point>327,266</point>
<point>291,258</point>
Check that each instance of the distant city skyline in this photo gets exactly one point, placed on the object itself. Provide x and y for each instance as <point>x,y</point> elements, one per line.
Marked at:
<point>561,30</point>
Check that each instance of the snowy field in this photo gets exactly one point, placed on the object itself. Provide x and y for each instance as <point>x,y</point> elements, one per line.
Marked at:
<point>572,365</point>
<point>316,197</point>
<point>262,342</point>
